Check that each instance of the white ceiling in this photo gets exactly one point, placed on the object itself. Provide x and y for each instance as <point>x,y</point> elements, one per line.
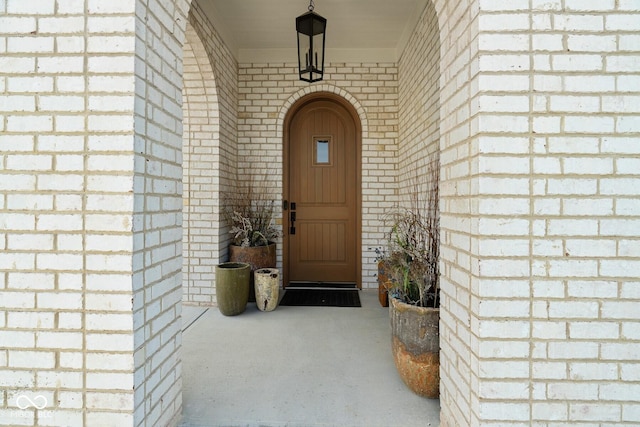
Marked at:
<point>357,30</point>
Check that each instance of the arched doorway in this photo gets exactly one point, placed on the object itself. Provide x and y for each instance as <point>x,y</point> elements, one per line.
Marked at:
<point>322,192</point>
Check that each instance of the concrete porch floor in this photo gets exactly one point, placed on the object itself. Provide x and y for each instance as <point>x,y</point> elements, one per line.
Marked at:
<point>296,366</point>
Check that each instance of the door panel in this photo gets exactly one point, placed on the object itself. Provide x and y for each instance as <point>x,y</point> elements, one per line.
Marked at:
<point>323,185</point>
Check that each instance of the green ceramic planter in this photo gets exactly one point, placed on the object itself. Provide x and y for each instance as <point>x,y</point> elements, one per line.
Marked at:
<point>232,287</point>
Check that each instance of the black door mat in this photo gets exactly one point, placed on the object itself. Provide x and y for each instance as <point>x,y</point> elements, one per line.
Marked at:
<point>321,297</point>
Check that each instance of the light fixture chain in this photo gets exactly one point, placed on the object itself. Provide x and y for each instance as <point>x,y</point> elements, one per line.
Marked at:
<point>311,5</point>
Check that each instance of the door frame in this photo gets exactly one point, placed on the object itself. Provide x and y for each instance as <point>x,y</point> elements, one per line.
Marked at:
<point>295,108</point>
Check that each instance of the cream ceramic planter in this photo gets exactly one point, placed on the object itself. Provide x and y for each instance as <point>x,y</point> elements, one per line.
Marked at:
<point>267,288</point>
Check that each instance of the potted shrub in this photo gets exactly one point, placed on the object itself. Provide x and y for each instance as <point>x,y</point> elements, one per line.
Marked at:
<point>414,297</point>
<point>250,210</point>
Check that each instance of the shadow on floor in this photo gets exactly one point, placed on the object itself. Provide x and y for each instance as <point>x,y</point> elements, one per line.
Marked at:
<point>296,366</point>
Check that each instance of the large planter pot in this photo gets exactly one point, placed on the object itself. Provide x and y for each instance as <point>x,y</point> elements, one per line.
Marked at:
<point>416,346</point>
<point>267,284</point>
<point>232,287</point>
<point>257,257</point>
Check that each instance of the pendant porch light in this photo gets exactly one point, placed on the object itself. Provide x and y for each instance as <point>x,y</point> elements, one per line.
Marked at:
<point>311,29</point>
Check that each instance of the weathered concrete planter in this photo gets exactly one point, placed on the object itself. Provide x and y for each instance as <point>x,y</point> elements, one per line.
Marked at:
<point>232,287</point>
<point>415,340</point>
<point>256,256</point>
<point>267,287</point>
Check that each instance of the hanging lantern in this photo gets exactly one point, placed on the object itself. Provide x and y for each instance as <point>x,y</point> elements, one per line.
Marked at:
<point>311,34</point>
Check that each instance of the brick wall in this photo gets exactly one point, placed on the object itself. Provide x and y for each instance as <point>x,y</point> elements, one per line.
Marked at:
<point>66,104</point>
<point>210,146</point>
<point>540,276</point>
<point>157,211</point>
<point>90,217</point>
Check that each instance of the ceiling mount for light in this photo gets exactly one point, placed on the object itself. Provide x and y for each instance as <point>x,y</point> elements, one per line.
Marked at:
<point>311,29</point>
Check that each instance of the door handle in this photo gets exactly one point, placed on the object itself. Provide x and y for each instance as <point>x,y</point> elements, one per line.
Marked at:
<point>292,219</point>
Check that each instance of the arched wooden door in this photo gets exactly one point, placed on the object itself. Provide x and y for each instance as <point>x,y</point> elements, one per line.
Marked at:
<point>322,194</point>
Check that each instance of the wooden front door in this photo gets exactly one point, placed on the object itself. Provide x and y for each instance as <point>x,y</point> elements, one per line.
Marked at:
<point>322,232</point>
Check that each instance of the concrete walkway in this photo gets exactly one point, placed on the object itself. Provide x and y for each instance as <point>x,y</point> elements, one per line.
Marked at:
<point>296,366</point>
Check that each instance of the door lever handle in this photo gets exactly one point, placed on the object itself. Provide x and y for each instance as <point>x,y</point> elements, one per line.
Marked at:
<point>292,228</point>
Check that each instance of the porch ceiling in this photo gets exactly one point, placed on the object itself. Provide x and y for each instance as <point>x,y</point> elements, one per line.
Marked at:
<point>357,30</point>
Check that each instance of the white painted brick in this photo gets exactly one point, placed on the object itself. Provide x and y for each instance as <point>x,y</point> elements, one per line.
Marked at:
<point>621,63</point>
<point>569,186</point>
<point>117,362</point>
<point>593,371</point>
<point>590,5</point>
<point>575,103</point>
<point>498,350</point>
<point>503,390</point>
<point>589,124</point>
<point>71,400</point>
<point>504,62</point>
<point>630,372</point>
<point>572,391</point>
<point>592,289</point>
<point>508,206</point>
<point>546,411</point>
<point>631,412</point>
<point>629,248</point>
<point>109,381</point>
<point>549,125</point>
<point>34,84</point>
<point>503,22</point>
<point>549,330</point>
<point>591,248</point>
<point>30,123</point>
<point>589,84</point>
<point>70,360</point>
<point>110,44</point>
<point>110,24</point>
<point>69,84</point>
<point>573,309</point>
<point>583,22</point>
<point>108,302</point>
<point>547,42</point>
<point>504,329</point>
<point>29,44</point>
<point>593,330</point>
<point>620,351</point>
<point>57,222</point>
<point>621,227</point>
<point>35,7</point>
<point>115,401</point>
<point>109,342</point>
<point>620,310</point>
<point>66,340</point>
<point>592,412</point>
<point>17,103</point>
<point>111,64</point>
<point>60,301</point>
<point>499,308</point>
<point>549,370</point>
<point>504,411</point>
<point>31,359</point>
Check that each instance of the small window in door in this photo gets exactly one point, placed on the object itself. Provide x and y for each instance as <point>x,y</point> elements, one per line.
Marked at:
<point>322,152</point>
